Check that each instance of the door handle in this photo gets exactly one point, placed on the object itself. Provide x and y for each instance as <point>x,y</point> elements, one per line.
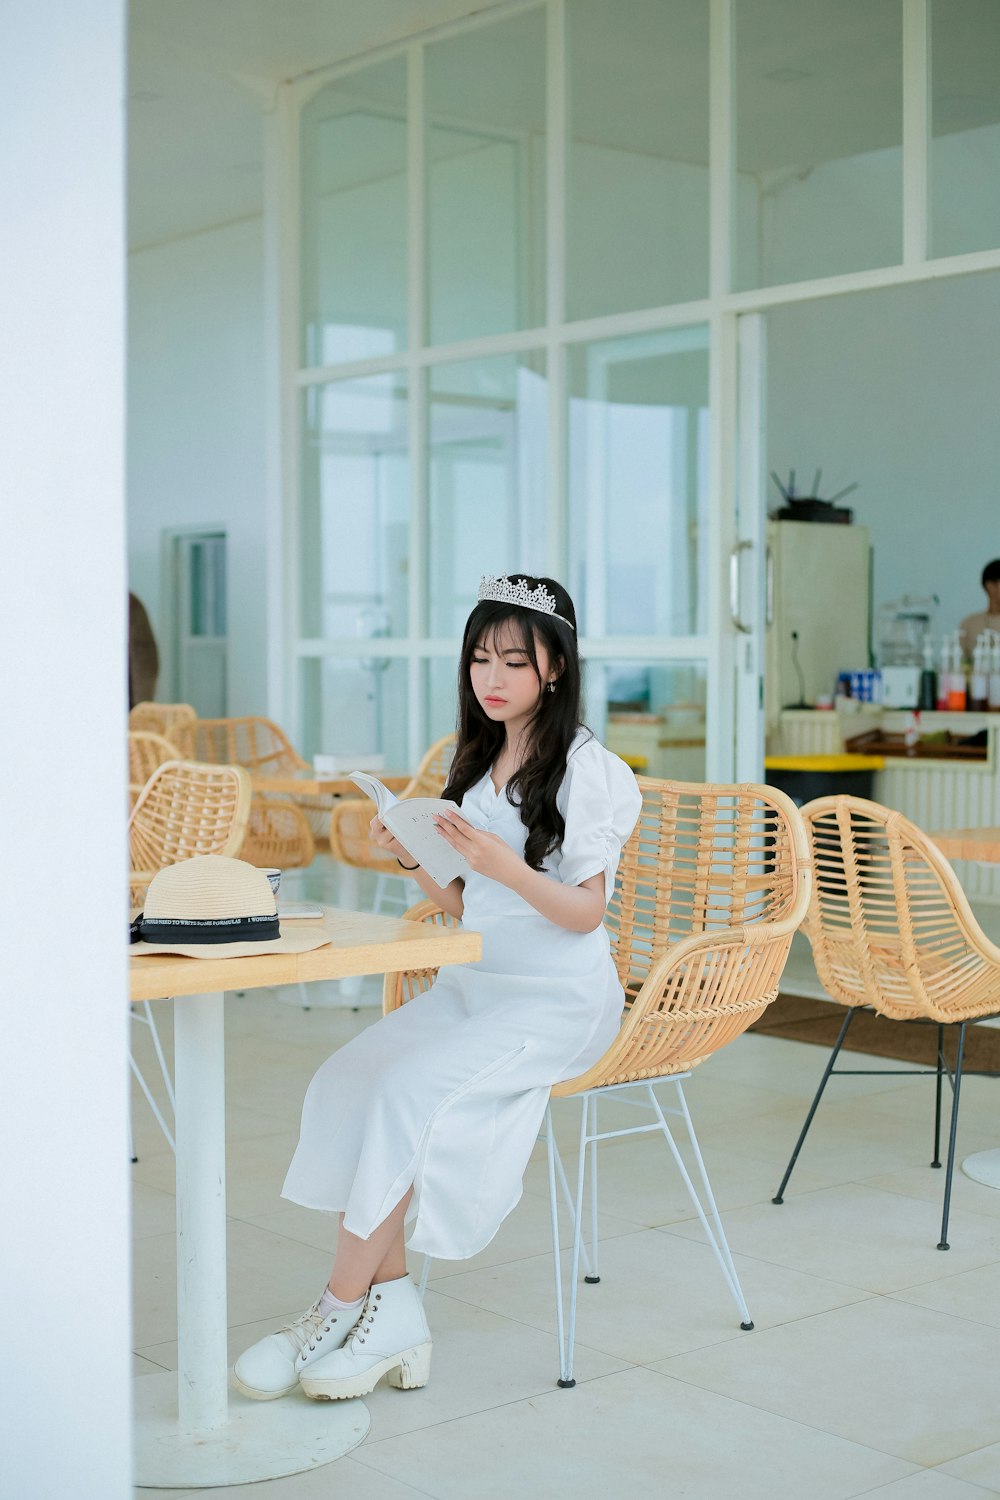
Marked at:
<point>734,586</point>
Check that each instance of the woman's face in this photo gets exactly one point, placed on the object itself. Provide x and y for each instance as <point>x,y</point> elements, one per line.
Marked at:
<point>504,680</point>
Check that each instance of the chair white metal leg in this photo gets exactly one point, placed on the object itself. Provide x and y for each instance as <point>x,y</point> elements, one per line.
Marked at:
<point>152,1104</point>
<point>564,1186</point>
<point>168,1082</point>
<point>550,1146</point>
<point>559,1173</point>
<point>147,1019</point>
<point>590,1135</point>
<point>717,1239</point>
<point>592,1273</point>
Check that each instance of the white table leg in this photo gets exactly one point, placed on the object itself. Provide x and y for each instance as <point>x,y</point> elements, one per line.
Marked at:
<point>191,1433</point>
<point>202,1379</point>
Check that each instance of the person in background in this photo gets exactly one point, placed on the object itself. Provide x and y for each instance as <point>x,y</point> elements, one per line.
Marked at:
<point>973,626</point>
<point>143,658</point>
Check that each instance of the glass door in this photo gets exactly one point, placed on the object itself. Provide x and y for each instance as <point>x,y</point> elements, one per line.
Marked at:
<point>750,574</point>
<point>639,542</point>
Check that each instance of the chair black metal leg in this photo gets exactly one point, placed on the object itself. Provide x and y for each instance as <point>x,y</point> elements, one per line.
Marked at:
<point>959,1054</point>
<point>937,1097</point>
<point>779,1195</point>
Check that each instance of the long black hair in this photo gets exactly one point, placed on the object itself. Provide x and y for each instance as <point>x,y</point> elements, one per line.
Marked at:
<point>556,719</point>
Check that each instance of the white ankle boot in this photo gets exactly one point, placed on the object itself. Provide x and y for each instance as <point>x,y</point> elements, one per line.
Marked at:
<point>271,1367</point>
<point>391,1339</point>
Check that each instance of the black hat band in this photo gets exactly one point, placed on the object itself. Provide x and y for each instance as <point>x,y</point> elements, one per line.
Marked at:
<point>207,930</point>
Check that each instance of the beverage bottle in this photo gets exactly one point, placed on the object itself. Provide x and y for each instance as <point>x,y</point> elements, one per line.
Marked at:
<point>928,694</point>
<point>956,679</point>
<point>994,679</point>
<point>944,676</point>
<point>979,679</point>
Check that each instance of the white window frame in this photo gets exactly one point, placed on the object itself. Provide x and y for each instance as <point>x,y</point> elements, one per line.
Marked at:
<point>734,737</point>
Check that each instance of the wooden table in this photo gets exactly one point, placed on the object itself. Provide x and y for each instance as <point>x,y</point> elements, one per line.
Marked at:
<point>295,784</point>
<point>191,1433</point>
<point>984,844</point>
<point>969,843</point>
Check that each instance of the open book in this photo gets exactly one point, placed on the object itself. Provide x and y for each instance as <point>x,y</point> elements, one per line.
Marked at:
<point>412,823</point>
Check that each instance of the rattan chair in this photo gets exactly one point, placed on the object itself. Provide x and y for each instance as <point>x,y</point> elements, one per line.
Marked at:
<point>184,809</point>
<point>710,889</point>
<point>278,835</point>
<point>891,930</point>
<point>350,836</point>
<point>146,751</point>
<point>283,831</point>
<point>172,720</point>
<point>253,742</point>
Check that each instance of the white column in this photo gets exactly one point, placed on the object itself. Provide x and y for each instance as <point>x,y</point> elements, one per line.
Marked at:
<point>916,130</point>
<point>63,1064</point>
<point>283,425</point>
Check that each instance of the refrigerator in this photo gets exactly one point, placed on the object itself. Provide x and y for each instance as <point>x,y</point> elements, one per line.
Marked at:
<point>819,610</point>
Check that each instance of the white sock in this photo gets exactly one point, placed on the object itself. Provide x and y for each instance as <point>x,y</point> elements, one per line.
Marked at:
<point>328,1303</point>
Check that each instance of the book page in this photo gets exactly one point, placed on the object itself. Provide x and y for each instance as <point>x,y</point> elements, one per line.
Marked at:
<point>373,788</point>
<point>412,822</point>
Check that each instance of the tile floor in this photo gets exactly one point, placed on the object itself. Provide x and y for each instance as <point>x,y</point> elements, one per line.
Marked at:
<point>874,1368</point>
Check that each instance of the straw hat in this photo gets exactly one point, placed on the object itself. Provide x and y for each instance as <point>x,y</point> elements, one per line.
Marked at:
<point>214,907</point>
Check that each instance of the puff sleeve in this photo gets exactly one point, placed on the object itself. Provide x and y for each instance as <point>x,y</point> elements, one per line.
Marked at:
<point>600,803</point>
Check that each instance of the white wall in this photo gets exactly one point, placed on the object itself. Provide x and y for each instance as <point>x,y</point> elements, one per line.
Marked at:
<point>898,390</point>
<point>196,417</point>
<point>65,1380</point>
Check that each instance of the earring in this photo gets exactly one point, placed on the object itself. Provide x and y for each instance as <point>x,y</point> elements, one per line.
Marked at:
<point>551,687</point>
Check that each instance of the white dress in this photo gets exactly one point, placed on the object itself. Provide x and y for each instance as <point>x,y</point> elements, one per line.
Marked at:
<point>449,1091</point>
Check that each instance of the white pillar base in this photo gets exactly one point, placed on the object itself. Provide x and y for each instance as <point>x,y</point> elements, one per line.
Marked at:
<point>260,1439</point>
<point>984,1166</point>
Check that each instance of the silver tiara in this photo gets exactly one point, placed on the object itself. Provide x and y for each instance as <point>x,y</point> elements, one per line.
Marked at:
<point>502,591</point>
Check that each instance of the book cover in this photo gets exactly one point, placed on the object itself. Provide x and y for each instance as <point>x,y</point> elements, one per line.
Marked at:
<point>412,823</point>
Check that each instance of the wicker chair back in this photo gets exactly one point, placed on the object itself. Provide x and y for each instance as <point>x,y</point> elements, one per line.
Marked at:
<point>146,751</point>
<point>711,887</point>
<point>256,743</point>
<point>186,809</point>
<point>172,720</point>
<point>888,922</point>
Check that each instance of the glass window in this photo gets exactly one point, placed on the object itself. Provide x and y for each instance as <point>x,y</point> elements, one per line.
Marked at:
<point>638,483</point>
<point>488,470</point>
<point>650,713</point>
<point>819,129</point>
<point>965,126</point>
<point>355,706</point>
<point>442,696</point>
<point>486,179</point>
<point>637,192</point>
<point>354,521</point>
<point>354,217</point>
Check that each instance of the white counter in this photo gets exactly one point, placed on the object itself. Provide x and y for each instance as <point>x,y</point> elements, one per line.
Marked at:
<point>934,793</point>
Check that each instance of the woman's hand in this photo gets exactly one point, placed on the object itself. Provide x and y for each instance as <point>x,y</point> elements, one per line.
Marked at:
<point>381,836</point>
<point>486,853</point>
